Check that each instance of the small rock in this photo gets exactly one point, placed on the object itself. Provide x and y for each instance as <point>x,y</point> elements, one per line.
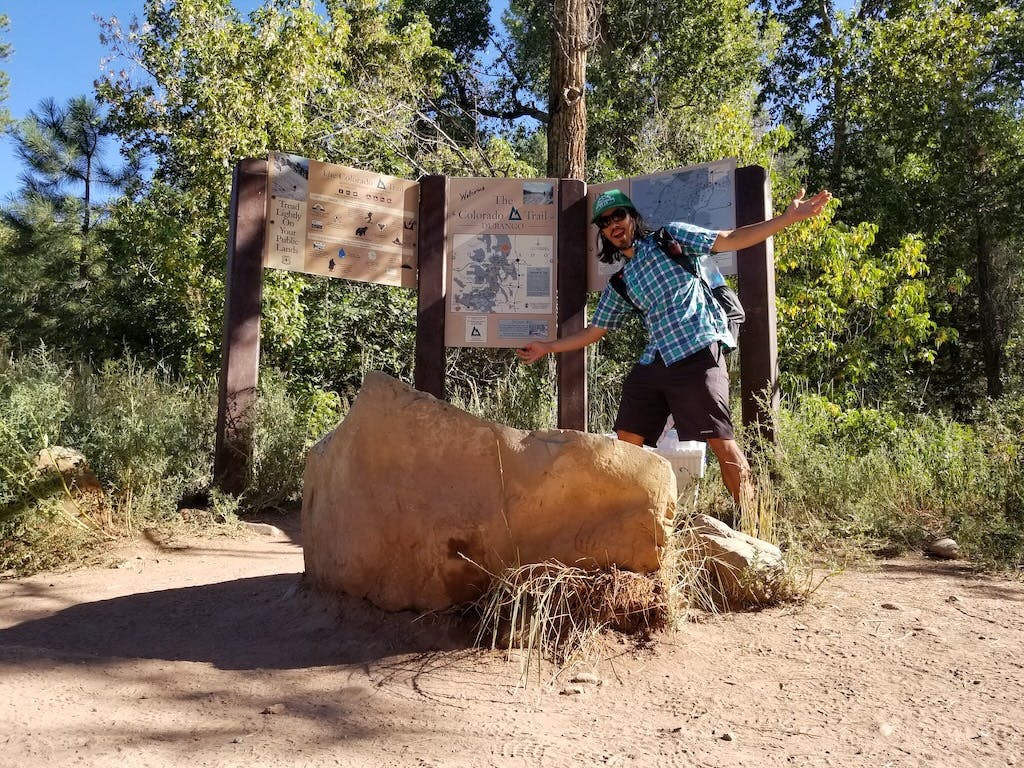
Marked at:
<point>746,570</point>
<point>886,729</point>
<point>952,599</point>
<point>273,709</point>
<point>263,529</point>
<point>728,736</point>
<point>891,607</point>
<point>945,548</point>
<point>572,690</point>
<point>586,677</point>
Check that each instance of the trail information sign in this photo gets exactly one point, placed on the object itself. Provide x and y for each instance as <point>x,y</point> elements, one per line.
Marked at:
<point>501,236</point>
<point>335,221</point>
<point>501,261</point>
<point>700,194</point>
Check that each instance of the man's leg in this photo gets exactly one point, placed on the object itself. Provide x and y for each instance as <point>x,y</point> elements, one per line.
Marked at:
<point>629,437</point>
<point>735,469</point>
<point>643,409</point>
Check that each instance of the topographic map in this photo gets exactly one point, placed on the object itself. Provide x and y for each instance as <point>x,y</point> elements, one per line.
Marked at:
<point>502,274</point>
<point>702,195</point>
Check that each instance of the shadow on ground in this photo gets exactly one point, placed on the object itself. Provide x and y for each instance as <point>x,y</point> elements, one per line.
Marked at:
<point>960,573</point>
<point>265,622</point>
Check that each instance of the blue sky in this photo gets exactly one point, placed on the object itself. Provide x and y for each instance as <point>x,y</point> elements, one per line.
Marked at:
<point>57,53</point>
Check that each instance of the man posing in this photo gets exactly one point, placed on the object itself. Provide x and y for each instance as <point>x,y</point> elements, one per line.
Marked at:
<point>682,370</point>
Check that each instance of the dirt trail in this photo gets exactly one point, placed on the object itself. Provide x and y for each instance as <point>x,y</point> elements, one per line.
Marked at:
<point>213,654</point>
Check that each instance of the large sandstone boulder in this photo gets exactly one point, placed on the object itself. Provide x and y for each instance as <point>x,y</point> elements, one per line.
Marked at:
<point>410,502</point>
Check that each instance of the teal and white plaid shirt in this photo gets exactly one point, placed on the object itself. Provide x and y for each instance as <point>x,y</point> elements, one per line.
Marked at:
<point>681,318</point>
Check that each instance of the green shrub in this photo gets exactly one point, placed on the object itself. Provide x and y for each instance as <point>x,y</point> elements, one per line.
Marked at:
<point>147,438</point>
<point>34,403</point>
<point>494,385</point>
<point>842,480</point>
<point>285,425</point>
<point>868,478</point>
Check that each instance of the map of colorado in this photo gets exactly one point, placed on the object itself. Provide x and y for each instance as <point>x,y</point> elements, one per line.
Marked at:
<point>502,274</point>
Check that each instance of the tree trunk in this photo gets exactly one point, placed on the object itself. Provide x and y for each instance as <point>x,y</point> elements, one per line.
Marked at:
<point>83,258</point>
<point>838,100</point>
<point>567,127</point>
<point>988,313</point>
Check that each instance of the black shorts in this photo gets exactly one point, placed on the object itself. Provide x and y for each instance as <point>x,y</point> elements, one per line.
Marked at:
<point>694,390</point>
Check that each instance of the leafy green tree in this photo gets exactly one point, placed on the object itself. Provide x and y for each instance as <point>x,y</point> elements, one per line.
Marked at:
<point>462,28</point>
<point>349,87</point>
<point>344,88</point>
<point>942,89</point>
<point>673,80</point>
<point>807,86</point>
<point>855,323</point>
<point>910,111</point>
<point>667,84</point>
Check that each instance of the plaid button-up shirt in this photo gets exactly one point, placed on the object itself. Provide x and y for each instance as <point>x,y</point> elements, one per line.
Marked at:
<point>681,318</point>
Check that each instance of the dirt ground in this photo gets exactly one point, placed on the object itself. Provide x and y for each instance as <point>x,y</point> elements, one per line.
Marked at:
<point>212,653</point>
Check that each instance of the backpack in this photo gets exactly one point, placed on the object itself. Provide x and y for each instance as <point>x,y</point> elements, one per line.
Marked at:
<point>723,294</point>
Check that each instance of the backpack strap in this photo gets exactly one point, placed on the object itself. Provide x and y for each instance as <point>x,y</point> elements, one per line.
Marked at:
<point>618,282</point>
<point>723,295</point>
<point>674,250</point>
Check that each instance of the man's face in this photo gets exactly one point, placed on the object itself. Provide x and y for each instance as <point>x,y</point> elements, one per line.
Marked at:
<point>618,228</point>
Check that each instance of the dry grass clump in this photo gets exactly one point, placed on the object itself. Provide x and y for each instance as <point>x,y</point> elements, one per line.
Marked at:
<point>554,611</point>
<point>759,506</point>
<point>693,584</point>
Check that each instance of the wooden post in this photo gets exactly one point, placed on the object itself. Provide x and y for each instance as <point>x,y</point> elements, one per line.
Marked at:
<point>433,235</point>
<point>240,349</point>
<point>759,354</point>
<point>571,367</point>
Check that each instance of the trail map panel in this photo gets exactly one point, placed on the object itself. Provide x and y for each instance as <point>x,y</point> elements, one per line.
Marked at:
<point>501,271</point>
<point>701,194</point>
<point>336,221</point>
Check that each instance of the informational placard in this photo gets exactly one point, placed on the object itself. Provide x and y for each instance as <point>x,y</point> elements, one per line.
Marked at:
<point>336,221</point>
<point>501,262</point>
<point>704,195</point>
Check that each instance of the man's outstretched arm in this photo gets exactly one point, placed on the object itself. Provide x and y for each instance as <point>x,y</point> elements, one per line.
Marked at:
<point>752,234</point>
<point>535,350</point>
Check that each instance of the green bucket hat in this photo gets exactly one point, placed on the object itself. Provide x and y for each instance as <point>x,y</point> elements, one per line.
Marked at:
<point>612,198</point>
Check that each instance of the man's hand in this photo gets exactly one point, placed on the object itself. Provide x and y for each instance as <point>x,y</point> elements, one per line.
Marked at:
<point>533,351</point>
<point>801,209</point>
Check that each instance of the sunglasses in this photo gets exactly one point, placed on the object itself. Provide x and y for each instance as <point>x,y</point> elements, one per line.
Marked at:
<point>612,218</point>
